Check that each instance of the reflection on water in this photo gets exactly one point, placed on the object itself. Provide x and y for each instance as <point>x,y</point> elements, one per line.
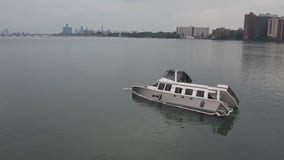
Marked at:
<point>263,63</point>
<point>62,98</point>
<point>176,116</point>
<point>262,73</point>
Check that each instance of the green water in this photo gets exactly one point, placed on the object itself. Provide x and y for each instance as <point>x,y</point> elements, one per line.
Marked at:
<point>63,98</point>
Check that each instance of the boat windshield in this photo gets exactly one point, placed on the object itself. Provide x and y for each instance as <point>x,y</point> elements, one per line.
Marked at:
<point>183,77</point>
<point>170,74</point>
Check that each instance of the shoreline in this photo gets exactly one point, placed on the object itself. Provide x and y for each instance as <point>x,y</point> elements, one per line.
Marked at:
<point>94,36</point>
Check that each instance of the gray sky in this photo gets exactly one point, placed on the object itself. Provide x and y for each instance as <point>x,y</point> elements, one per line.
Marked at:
<point>48,16</point>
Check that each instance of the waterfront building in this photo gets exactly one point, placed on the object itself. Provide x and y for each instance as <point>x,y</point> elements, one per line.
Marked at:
<point>196,32</point>
<point>260,27</point>
<point>185,32</point>
<point>272,27</point>
<point>200,32</point>
<point>280,34</point>
<point>248,26</point>
<point>223,33</point>
<point>66,30</point>
<point>256,27</point>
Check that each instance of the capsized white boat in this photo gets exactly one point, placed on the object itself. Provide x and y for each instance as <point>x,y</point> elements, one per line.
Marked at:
<point>176,89</point>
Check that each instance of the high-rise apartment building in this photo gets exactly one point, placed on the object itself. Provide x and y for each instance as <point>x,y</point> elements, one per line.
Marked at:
<point>200,32</point>
<point>185,32</point>
<point>223,33</point>
<point>256,27</point>
<point>260,27</point>
<point>276,28</point>
<point>280,34</point>
<point>249,25</point>
<point>196,32</point>
<point>272,29</point>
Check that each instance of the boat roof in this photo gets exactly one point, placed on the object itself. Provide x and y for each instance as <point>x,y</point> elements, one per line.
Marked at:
<point>179,77</point>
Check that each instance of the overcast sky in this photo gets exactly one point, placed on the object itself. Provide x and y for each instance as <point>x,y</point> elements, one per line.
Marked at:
<point>48,16</point>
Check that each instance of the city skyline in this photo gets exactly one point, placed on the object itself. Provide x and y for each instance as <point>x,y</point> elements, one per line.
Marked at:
<point>127,15</point>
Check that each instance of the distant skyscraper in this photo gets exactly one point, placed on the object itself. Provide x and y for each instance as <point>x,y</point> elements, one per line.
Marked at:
<point>66,30</point>
<point>81,31</point>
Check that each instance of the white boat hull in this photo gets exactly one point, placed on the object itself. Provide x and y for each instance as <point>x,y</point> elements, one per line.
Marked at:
<point>201,105</point>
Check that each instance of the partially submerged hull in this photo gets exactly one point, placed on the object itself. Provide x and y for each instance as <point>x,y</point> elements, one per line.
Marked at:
<point>176,89</point>
<point>201,105</point>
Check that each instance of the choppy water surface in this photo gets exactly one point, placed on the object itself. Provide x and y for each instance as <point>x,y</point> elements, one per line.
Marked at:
<point>63,98</point>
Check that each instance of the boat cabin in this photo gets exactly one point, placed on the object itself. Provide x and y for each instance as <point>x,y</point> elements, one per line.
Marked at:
<point>179,83</point>
<point>191,91</point>
<point>177,76</point>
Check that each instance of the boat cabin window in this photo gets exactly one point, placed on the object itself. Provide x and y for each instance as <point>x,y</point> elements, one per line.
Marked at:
<point>161,86</point>
<point>212,95</point>
<point>168,87</point>
<point>183,77</point>
<point>188,92</point>
<point>200,93</point>
<point>178,90</point>
<point>170,74</point>
<point>155,85</point>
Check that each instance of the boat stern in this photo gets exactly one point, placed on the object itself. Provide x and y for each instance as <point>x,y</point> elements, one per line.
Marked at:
<point>228,96</point>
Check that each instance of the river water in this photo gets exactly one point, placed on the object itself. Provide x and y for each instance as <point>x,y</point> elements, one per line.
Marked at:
<point>63,98</point>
